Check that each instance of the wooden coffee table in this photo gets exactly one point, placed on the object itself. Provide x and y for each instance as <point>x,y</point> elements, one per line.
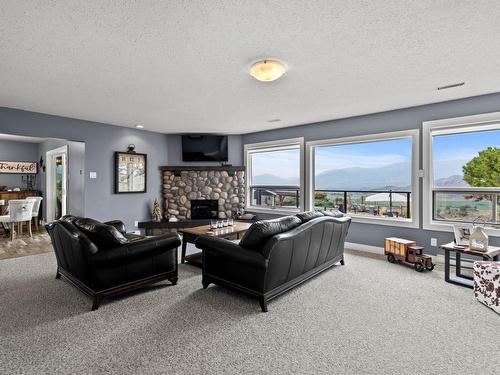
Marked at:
<point>189,235</point>
<point>493,253</point>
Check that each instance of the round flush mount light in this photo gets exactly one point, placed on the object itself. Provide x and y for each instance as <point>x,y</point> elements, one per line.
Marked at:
<point>267,70</point>
<point>139,126</point>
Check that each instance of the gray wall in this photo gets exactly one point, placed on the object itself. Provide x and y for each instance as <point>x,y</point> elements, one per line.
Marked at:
<point>101,140</point>
<point>403,119</point>
<point>16,151</point>
<point>235,154</point>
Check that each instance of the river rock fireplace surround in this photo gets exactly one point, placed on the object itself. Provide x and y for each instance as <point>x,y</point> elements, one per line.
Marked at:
<point>182,184</point>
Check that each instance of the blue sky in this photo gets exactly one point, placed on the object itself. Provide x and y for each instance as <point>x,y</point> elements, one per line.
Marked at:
<point>279,163</point>
<point>362,155</point>
<point>451,152</point>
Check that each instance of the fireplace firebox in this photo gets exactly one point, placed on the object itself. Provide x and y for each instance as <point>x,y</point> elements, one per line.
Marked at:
<point>204,209</point>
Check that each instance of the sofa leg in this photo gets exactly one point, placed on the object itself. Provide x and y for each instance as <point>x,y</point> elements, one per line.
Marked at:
<point>263,304</point>
<point>342,261</point>
<point>58,275</point>
<point>96,301</point>
<point>173,280</point>
<point>205,284</point>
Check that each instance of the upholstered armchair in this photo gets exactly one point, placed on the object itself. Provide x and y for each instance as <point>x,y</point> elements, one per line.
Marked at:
<point>101,259</point>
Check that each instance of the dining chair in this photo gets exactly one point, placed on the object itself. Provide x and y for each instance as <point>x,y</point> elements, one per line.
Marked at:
<point>36,210</point>
<point>20,211</point>
<point>2,208</point>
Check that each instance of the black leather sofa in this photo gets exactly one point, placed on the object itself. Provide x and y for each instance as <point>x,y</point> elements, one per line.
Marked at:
<point>101,259</point>
<point>275,255</point>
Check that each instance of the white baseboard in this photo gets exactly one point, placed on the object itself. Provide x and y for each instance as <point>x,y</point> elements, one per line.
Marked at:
<point>365,248</point>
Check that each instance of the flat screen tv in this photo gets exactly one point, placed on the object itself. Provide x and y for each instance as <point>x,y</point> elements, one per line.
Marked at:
<point>204,148</point>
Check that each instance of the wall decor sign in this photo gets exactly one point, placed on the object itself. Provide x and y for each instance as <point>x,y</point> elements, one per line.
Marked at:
<point>20,167</point>
<point>130,172</point>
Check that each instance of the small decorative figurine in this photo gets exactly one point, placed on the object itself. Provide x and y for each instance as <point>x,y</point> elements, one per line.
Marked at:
<point>407,252</point>
<point>156,211</point>
<point>478,238</point>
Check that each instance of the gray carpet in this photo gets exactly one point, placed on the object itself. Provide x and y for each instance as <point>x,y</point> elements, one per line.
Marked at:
<point>368,317</point>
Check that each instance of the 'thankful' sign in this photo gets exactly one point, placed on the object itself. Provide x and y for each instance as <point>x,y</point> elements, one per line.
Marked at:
<point>18,167</point>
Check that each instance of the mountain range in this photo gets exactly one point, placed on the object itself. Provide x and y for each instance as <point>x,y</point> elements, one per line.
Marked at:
<point>396,176</point>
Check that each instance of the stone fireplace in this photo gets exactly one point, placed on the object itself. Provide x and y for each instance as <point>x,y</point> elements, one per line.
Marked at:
<point>184,185</point>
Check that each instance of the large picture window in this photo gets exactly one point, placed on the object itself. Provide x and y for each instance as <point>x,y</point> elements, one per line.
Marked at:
<point>463,183</point>
<point>274,175</point>
<point>371,178</point>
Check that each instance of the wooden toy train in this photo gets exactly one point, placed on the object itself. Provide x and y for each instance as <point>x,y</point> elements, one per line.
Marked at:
<point>407,252</point>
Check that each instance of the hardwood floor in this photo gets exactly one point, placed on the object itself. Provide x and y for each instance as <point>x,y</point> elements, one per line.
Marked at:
<point>24,245</point>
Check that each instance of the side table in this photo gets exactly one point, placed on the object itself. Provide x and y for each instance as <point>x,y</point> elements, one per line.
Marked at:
<point>493,253</point>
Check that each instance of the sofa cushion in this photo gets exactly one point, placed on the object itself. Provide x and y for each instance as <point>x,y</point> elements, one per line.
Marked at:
<point>70,219</point>
<point>334,213</point>
<point>260,231</point>
<point>309,215</point>
<point>103,235</point>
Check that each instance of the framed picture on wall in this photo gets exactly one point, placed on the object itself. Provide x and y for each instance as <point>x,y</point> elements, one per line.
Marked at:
<point>130,172</point>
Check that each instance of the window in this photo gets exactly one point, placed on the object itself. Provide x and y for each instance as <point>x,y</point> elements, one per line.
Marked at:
<point>463,163</point>
<point>274,175</point>
<point>371,178</point>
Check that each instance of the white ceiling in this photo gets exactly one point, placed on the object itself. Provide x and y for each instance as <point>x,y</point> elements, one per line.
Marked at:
<point>182,66</point>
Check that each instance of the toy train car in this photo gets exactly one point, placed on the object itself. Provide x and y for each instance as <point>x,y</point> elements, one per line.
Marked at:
<point>405,251</point>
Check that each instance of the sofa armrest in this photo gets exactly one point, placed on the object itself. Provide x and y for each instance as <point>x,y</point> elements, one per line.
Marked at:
<point>137,249</point>
<point>231,250</point>
<point>118,224</point>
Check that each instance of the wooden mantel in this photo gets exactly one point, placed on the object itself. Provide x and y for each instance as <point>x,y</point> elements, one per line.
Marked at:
<point>180,168</point>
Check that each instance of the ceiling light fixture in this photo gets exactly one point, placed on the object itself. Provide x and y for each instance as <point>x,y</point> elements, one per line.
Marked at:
<point>267,70</point>
<point>451,86</point>
<point>139,126</point>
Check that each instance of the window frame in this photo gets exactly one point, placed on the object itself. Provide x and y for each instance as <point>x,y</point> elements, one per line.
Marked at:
<point>465,124</point>
<point>270,146</point>
<point>413,134</point>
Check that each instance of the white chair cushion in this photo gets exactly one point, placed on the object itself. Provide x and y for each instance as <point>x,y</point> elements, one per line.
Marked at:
<point>5,219</point>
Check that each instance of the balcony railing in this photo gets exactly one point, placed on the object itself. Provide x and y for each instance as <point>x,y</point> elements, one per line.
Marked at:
<point>273,196</point>
<point>466,204</point>
<point>368,203</point>
<point>394,204</point>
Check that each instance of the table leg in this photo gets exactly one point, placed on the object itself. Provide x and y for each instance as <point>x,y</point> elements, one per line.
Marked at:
<point>183,253</point>
<point>458,264</point>
<point>447,266</point>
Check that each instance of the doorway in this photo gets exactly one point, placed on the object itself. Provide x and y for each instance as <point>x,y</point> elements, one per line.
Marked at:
<point>57,183</point>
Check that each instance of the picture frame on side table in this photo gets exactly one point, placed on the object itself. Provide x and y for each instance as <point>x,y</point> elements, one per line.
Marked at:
<point>462,234</point>
<point>130,172</point>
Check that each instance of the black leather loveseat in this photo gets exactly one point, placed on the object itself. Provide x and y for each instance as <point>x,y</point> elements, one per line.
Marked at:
<point>101,259</point>
<point>275,255</point>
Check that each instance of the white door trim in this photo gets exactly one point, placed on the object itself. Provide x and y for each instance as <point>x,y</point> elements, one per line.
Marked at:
<point>49,181</point>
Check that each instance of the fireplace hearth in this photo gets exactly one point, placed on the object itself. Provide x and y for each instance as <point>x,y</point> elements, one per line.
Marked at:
<point>204,209</point>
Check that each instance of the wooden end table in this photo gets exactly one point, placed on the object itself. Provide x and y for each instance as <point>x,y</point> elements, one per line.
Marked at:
<point>493,254</point>
<point>189,235</point>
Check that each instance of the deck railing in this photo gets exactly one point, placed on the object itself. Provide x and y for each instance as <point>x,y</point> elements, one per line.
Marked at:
<point>466,205</point>
<point>273,196</point>
<point>356,202</point>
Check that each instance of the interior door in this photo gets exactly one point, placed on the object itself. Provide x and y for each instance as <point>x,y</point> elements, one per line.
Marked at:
<point>60,177</point>
<point>57,182</point>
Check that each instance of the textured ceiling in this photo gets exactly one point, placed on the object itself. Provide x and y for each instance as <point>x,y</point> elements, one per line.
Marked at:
<point>182,66</point>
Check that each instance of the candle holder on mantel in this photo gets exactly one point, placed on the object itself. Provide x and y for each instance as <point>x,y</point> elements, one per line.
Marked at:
<point>30,181</point>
